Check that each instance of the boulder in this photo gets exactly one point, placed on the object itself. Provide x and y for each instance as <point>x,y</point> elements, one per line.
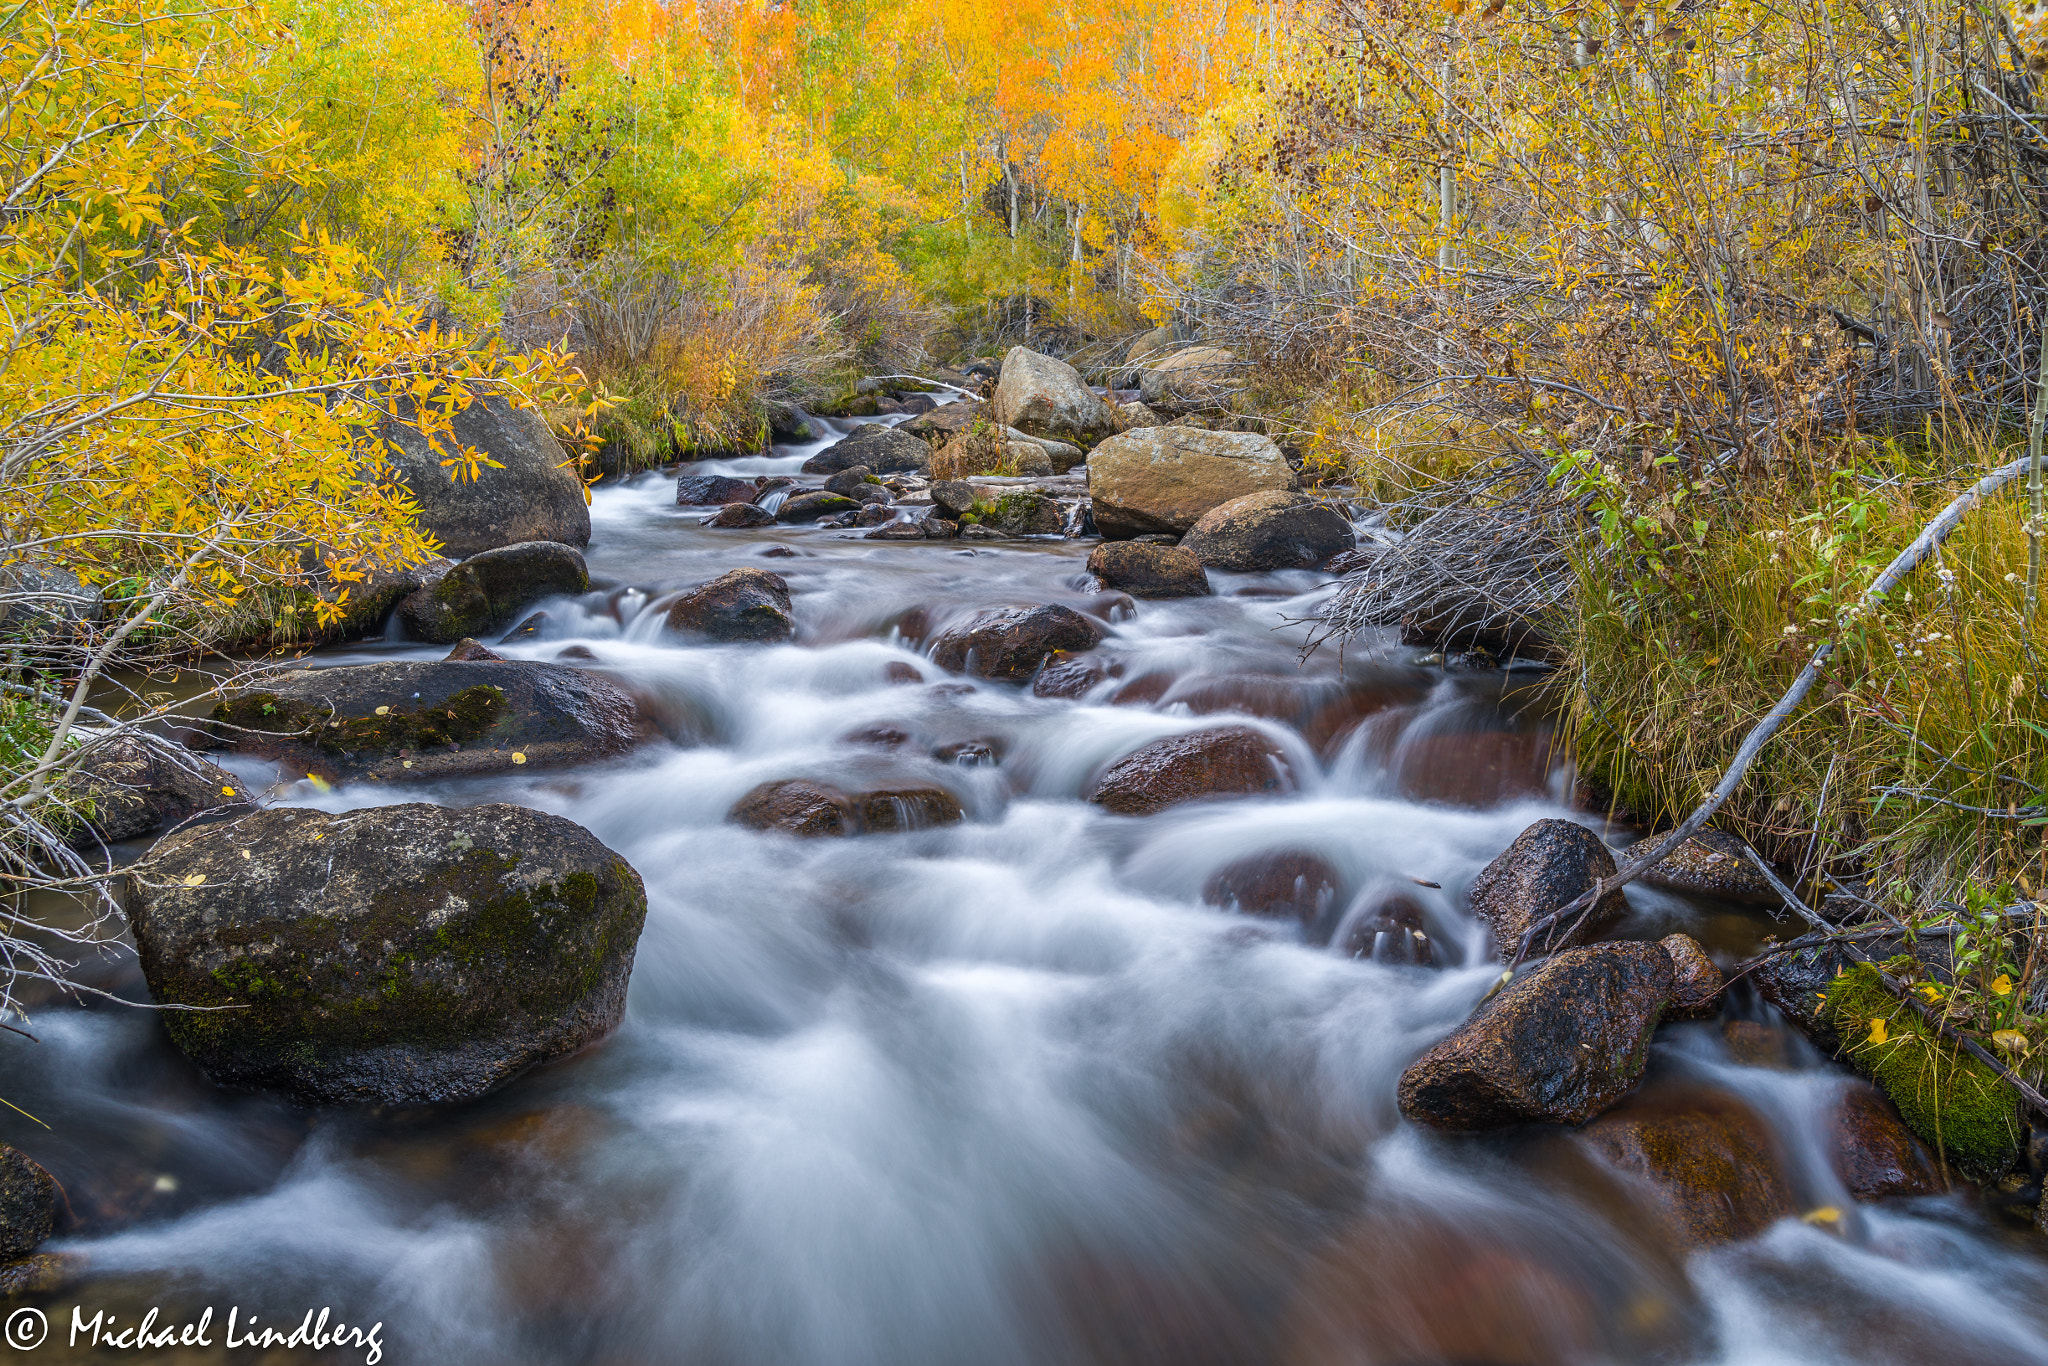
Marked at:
<point>1271,529</point>
<point>1066,675</point>
<point>946,421</point>
<point>1132,417</point>
<point>1045,397</point>
<point>486,591</point>
<point>418,722</point>
<point>797,807</point>
<point>790,424</point>
<point>1149,571</point>
<point>1558,1044</point>
<point>1199,377</point>
<point>1708,1161</point>
<point>28,1204</point>
<point>849,482</point>
<point>1010,643</point>
<point>1233,761</point>
<point>952,497</point>
<point>1023,513</point>
<point>1711,863</point>
<point>536,496</point>
<point>743,605</point>
<point>137,786</point>
<point>1027,459</point>
<point>734,516</point>
<point>878,514</point>
<point>1548,864</point>
<point>900,809</point>
<point>811,505</point>
<point>713,490</point>
<point>1696,983</point>
<point>1162,479</point>
<point>885,450</point>
<point>1286,884</point>
<point>1874,1153</point>
<point>396,955</point>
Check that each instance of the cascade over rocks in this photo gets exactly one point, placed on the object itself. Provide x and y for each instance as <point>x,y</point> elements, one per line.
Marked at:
<point>1149,571</point>
<point>750,605</point>
<point>1233,761</point>
<point>417,722</point>
<point>1548,864</point>
<point>486,591</point>
<point>883,449</point>
<point>1560,1043</point>
<point>1162,479</point>
<point>536,496</point>
<point>1040,396</point>
<point>28,1204</point>
<point>395,955</point>
<point>1010,643</point>
<point>815,810</point>
<point>1874,1153</point>
<point>1271,529</point>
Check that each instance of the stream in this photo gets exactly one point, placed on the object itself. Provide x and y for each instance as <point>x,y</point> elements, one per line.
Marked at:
<point>1007,1091</point>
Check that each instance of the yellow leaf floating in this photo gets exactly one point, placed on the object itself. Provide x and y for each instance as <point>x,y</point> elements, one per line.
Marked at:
<point>1826,1214</point>
<point>1877,1034</point>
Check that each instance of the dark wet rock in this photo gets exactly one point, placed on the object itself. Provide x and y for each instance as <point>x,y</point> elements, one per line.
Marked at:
<point>743,605</point>
<point>884,450</point>
<point>1874,1153</point>
<point>797,807</point>
<point>416,722</point>
<point>899,673</point>
<point>1795,982</point>
<point>971,753</point>
<point>1697,985</point>
<point>713,490</point>
<point>849,482</point>
<point>902,809</point>
<point>1391,930</point>
<point>138,787</point>
<point>394,955</point>
<point>737,516</point>
<point>1162,479</point>
<point>891,530</point>
<point>1234,761</point>
<point>790,424</point>
<point>47,1273</point>
<point>1707,1160</point>
<point>1041,396</point>
<point>1711,863</point>
<point>953,497</point>
<point>1271,529</point>
<point>28,1204</point>
<point>530,629</point>
<point>1010,643</point>
<point>486,591</point>
<point>1149,571</point>
<point>1071,675</point>
<point>1290,884</point>
<point>1548,864</point>
<point>809,507</point>
<point>879,514</point>
<point>1559,1043</point>
<point>534,496</point>
<point>940,529</point>
<point>769,483</point>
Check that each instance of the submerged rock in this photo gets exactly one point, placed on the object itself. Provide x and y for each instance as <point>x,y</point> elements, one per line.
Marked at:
<point>916,808</point>
<point>1548,864</point>
<point>1393,930</point>
<point>28,1204</point>
<point>1071,675</point>
<point>1010,643</point>
<point>1290,884</point>
<point>486,591</point>
<point>744,605</point>
<point>813,810</point>
<point>1559,1043</point>
<point>1149,571</point>
<point>394,955</point>
<point>1709,1162</point>
<point>1696,984</point>
<point>415,722</point>
<point>1162,479</point>
<point>1272,529</point>
<point>1234,761</point>
<point>1711,863</point>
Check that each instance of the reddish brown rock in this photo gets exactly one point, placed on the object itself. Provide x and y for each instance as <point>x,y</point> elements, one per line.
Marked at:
<point>1010,643</point>
<point>918,808</point>
<point>1548,865</point>
<point>1475,768</point>
<point>1149,571</point>
<point>1711,863</point>
<point>1712,1169</point>
<point>1066,675</point>
<point>1874,1153</point>
<point>1391,930</point>
<point>744,605</point>
<point>798,807</point>
<point>1235,761</point>
<point>898,672</point>
<point>1291,884</point>
<point>1696,984</point>
<point>468,651</point>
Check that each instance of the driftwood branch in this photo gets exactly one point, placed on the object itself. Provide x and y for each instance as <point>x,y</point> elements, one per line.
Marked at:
<point>1907,560</point>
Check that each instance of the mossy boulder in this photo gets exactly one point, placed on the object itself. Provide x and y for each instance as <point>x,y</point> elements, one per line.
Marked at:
<point>745,605</point>
<point>1951,1100</point>
<point>415,722</point>
<point>487,591</point>
<point>1023,513</point>
<point>392,955</point>
<point>885,450</point>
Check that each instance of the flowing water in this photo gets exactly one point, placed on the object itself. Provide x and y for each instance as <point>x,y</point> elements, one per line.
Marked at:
<point>1007,1091</point>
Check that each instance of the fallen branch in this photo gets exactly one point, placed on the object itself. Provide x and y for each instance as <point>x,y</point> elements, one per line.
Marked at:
<point>1907,560</point>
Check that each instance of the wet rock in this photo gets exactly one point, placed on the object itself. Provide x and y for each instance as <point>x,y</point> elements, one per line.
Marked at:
<point>1708,1161</point>
<point>1874,1153</point>
<point>878,515</point>
<point>582,653</point>
<point>884,450</point>
<point>1475,768</point>
<point>1392,930</point>
<point>735,516</point>
<point>1023,513</point>
<point>470,651</point>
<point>970,753</point>
<point>48,1273</point>
<point>849,482</point>
<point>1548,864</point>
<point>946,421</point>
<point>1162,479</point>
<point>138,787</point>
<point>534,496</point>
<point>530,629</point>
<point>28,1204</point>
<point>749,605</point>
<point>770,483</point>
<point>1041,396</point>
<point>486,591</point>
<point>903,809</point>
<point>1289,884</point>
<point>953,497</point>
<point>1066,675</point>
<point>809,507</point>
<point>797,807</point>
<point>1149,571</point>
<point>900,673</point>
<point>1198,378</point>
<point>898,531</point>
<point>1711,863</point>
<point>1696,984</point>
<point>1271,529</point>
<point>1235,761</point>
<point>1795,983</point>
<point>394,955</point>
<point>419,722</point>
<point>713,490</point>
<point>1559,1044</point>
<point>1010,643</point>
